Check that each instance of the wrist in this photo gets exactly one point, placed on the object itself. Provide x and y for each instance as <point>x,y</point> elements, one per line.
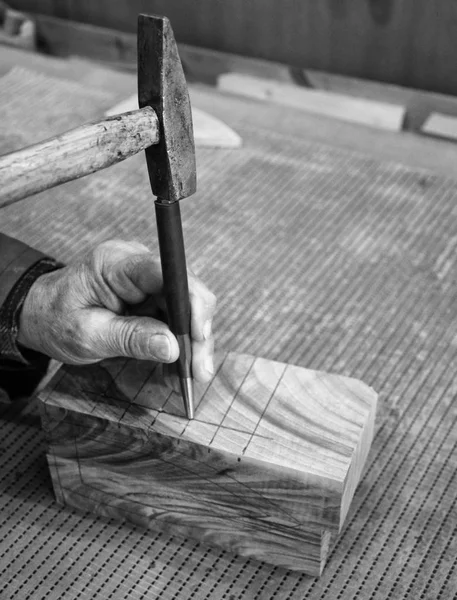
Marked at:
<point>10,312</point>
<point>31,317</point>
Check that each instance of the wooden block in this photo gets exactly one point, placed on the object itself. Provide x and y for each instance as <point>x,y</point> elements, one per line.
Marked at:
<point>267,469</point>
<point>16,29</point>
<point>444,126</point>
<point>382,115</point>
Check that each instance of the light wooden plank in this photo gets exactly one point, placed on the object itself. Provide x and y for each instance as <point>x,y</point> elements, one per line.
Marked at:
<point>417,152</point>
<point>444,126</point>
<point>381,115</point>
<point>209,132</point>
<point>267,468</point>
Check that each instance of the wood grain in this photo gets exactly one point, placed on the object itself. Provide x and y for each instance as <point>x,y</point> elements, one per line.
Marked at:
<point>267,469</point>
<point>76,153</point>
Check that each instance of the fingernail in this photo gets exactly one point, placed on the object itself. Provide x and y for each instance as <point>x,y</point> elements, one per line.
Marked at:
<point>161,347</point>
<point>207,329</point>
<point>209,365</point>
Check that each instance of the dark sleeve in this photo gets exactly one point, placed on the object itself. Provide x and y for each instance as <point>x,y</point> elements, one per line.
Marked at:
<point>20,266</point>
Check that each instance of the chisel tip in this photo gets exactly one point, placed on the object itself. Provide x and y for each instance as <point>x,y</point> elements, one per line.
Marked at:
<point>187,391</point>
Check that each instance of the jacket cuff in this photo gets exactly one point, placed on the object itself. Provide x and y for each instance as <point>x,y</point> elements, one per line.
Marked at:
<point>15,259</point>
<point>10,351</point>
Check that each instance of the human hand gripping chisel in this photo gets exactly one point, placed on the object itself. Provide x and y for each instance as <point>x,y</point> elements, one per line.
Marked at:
<point>163,127</point>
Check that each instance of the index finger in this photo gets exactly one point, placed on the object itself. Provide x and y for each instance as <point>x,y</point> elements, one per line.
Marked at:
<point>203,306</point>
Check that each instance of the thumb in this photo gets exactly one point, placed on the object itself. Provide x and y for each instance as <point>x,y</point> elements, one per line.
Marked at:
<point>142,338</point>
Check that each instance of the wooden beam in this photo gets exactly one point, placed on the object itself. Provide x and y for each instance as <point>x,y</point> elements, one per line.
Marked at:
<point>373,113</point>
<point>117,48</point>
<point>65,38</point>
<point>443,126</point>
<point>267,469</point>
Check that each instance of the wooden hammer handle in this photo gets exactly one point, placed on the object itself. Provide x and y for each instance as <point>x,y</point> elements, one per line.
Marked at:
<point>76,153</point>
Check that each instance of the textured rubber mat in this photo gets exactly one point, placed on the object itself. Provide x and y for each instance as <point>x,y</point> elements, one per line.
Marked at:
<point>321,258</point>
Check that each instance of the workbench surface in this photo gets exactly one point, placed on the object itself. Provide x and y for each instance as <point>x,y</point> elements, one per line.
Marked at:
<point>321,257</point>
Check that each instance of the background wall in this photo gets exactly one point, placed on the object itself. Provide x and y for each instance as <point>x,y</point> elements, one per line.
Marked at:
<point>408,42</point>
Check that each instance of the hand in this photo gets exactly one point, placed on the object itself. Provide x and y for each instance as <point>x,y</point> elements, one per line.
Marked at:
<point>93,310</point>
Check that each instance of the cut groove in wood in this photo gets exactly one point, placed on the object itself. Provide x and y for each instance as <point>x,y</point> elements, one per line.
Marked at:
<point>267,469</point>
<point>382,115</point>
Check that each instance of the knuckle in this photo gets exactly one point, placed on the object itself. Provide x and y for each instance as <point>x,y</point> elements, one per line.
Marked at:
<point>133,340</point>
<point>137,246</point>
<point>103,249</point>
<point>156,265</point>
<point>211,299</point>
<point>108,245</point>
<point>92,263</point>
<point>131,265</point>
<point>211,302</point>
<point>122,246</point>
<point>199,290</point>
<point>104,252</point>
<point>117,252</point>
<point>76,338</point>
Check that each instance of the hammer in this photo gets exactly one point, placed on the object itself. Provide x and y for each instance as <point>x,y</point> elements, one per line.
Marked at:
<point>163,128</point>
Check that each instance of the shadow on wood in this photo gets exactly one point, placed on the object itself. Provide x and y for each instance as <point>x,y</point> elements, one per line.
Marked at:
<point>267,469</point>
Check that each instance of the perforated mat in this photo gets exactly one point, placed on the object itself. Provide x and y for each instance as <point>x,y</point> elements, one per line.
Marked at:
<point>319,257</point>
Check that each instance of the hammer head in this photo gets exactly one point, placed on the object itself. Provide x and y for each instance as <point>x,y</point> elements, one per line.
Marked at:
<point>162,85</point>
